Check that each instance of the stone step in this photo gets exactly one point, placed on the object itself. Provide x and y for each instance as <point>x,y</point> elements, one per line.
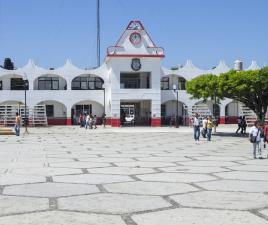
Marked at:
<point>6,131</point>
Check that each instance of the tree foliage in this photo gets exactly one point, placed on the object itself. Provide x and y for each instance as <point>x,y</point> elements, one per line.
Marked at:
<point>204,87</point>
<point>248,87</point>
<point>8,64</point>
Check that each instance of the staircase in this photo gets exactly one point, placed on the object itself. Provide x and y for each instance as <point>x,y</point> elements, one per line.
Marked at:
<point>36,115</point>
<point>202,110</point>
<point>250,116</point>
<point>6,131</point>
<point>8,114</point>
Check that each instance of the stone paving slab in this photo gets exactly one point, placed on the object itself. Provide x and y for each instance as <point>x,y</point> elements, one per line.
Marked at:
<point>209,163</point>
<point>176,177</point>
<point>112,203</point>
<point>264,212</point>
<point>61,218</point>
<point>149,188</point>
<point>198,216</point>
<point>92,178</point>
<point>222,200</point>
<point>79,165</point>
<point>12,204</point>
<point>145,164</point>
<point>250,168</point>
<point>194,169</point>
<point>235,185</point>
<point>132,176</point>
<point>243,175</point>
<point>50,189</point>
<point>46,171</point>
<point>107,160</point>
<point>122,170</point>
<point>9,179</point>
<point>20,165</point>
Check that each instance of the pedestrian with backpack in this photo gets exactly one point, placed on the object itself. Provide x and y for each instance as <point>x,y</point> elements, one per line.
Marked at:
<point>255,139</point>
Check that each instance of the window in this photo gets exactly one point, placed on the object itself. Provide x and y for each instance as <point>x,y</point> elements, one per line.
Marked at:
<point>135,80</point>
<point>165,83</point>
<point>98,83</point>
<point>83,109</point>
<point>50,110</point>
<point>87,83</point>
<point>48,83</point>
<point>182,83</point>
<point>1,85</point>
<point>17,84</point>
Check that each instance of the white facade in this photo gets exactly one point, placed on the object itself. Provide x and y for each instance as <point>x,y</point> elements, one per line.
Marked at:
<point>134,54</point>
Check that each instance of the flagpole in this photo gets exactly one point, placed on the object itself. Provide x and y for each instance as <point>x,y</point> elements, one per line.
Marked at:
<point>98,33</point>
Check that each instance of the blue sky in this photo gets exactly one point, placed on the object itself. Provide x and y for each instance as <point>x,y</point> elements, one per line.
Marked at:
<point>205,31</point>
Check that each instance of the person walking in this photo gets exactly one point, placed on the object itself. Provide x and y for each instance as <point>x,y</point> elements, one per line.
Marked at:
<point>210,125</point>
<point>81,120</point>
<point>239,123</point>
<point>196,126</point>
<point>204,127</point>
<point>243,125</point>
<point>255,139</point>
<point>95,121</point>
<point>103,119</point>
<point>17,124</point>
<point>87,121</point>
<point>265,131</point>
<point>90,121</point>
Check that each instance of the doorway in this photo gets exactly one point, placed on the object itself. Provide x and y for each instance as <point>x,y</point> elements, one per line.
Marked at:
<point>135,113</point>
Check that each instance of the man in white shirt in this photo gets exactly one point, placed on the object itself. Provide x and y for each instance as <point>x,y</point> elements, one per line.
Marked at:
<point>255,138</point>
<point>196,125</point>
<point>204,127</point>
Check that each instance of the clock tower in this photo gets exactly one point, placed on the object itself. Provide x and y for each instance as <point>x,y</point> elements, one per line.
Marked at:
<point>134,63</point>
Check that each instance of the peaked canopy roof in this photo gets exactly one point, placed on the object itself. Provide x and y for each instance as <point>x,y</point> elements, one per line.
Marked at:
<point>68,71</point>
<point>189,70</point>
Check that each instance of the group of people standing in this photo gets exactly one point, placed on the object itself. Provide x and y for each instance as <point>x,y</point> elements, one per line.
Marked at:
<point>206,123</point>
<point>90,121</point>
<point>242,125</point>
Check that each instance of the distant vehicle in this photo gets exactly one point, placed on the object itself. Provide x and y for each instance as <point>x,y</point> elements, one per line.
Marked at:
<point>130,119</point>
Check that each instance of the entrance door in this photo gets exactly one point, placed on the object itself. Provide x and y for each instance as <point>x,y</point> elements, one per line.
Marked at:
<point>84,109</point>
<point>135,113</point>
<point>127,115</point>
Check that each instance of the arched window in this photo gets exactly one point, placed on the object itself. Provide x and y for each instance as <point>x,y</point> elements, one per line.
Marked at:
<point>87,83</point>
<point>48,83</point>
<point>165,83</point>
<point>181,83</point>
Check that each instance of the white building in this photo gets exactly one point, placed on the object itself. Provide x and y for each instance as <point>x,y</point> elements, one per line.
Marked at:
<point>131,80</point>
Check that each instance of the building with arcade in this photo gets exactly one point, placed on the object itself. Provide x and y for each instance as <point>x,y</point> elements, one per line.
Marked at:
<point>130,81</point>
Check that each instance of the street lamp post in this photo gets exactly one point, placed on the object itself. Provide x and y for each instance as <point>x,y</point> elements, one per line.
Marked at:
<point>214,111</point>
<point>177,104</point>
<point>25,85</point>
<point>104,100</point>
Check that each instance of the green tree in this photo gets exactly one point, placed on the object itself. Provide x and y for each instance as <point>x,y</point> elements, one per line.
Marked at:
<point>248,87</point>
<point>204,87</point>
<point>8,64</point>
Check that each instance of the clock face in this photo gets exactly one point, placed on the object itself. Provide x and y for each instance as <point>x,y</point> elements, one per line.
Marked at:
<point>135,38</point>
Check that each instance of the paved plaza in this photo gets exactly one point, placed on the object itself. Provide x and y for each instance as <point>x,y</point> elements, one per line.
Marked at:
<point>130,176</point>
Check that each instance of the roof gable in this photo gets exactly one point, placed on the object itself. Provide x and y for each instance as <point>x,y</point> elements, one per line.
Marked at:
<point>135,41</point>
